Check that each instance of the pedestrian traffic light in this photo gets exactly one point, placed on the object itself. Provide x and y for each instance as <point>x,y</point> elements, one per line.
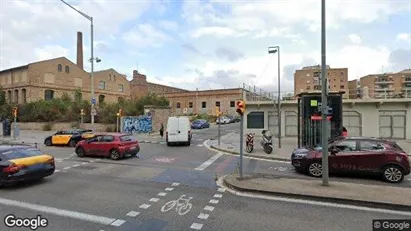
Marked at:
<point>120,112</point>
<point>240,107</point>
<point>14,112</point>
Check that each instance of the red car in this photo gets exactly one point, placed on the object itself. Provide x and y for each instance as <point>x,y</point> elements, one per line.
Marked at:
<point>356,155</point>
<point>113,145</point>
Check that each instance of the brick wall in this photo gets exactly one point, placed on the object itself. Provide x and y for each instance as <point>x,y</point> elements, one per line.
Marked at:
<point>159,116</point>
<point>62,126</point>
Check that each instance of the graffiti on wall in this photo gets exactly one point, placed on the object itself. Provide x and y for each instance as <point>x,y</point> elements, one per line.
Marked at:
<point>136,124</point>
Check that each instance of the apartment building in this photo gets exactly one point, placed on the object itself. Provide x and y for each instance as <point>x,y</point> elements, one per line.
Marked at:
<point>308,79</point>
<point>386,85</point>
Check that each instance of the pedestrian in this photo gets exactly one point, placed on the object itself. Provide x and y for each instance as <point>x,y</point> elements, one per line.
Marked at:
<point>162,131</point>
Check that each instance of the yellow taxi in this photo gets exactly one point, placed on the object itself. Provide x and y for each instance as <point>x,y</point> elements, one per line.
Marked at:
<point>68,138</point>
<point>23,163</point>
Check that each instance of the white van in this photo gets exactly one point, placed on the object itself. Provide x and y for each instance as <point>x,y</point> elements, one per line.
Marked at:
<point>178,130</point>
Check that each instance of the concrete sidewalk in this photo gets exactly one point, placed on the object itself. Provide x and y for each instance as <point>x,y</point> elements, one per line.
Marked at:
<point>230,143</point>
<point>389,197</point>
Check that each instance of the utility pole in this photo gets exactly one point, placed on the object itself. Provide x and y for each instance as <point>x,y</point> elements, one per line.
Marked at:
<point>324,97</point>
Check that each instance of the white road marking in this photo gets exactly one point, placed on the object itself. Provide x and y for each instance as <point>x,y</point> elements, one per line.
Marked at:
<point>92,161</point>
<point>200,145</point>
<point>203,216</point>
<point>144,206</point>
<point>60,212</point>
<point>67,168</point>
<point>169,189</point>
<point>133,214</point>
<point>154,199</point>
<point>175,184</point>
<point>84,163</point>
<point>59,161</point>
<point>56,170</point>
<point>209,208</point>
<point>218,195</point>
<point>118,223</point>
<point>317,203</point>
<point>162,194</point>
<point>209,162</point>
<point>196,226</point>
<point>221,189</point>
<point>76,165</point>
<point>213,201</point>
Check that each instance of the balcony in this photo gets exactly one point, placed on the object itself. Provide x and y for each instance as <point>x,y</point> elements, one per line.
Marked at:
<point>406,80</point>
<point>384,89</point>
<point>384,80</point>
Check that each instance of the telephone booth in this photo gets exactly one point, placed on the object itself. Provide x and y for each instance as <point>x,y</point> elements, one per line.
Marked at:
<point>310,117</point>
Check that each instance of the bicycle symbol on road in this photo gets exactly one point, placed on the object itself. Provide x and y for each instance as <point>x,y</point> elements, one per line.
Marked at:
<point>183,205</point>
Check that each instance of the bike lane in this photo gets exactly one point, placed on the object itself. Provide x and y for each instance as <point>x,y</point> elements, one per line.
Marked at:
<point>177,207</point>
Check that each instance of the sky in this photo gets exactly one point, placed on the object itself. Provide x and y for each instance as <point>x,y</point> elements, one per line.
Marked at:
<point>211,44</point>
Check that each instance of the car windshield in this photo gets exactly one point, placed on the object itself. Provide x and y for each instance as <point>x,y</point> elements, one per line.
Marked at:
<point>21,153</point>
<point>127,138</point>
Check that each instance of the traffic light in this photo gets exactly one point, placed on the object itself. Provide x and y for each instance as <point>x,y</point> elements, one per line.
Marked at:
<point>14,112</point>
<point>120,112</point>
<point>240,107</point>
<point>217,111</point>
<point>82,112</point>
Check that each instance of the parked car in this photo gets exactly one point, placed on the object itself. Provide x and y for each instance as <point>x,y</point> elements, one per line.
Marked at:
<point>223,120</point>
<point>178,130</point>
<point>68,138</point>
<point>356,155</point>
<point>200,124</point>
<point>113,145</point>
<point>22,163</point>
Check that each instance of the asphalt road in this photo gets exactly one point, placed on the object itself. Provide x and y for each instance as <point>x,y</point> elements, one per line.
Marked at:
<point>135,194</point>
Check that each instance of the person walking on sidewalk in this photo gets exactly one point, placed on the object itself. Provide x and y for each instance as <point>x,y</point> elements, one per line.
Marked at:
<point>162,131</point>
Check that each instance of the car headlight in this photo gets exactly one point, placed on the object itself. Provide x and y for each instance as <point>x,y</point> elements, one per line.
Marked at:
<point>300,155</point>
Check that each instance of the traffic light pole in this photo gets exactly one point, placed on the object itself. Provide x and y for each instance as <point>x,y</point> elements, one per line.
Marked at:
<point>15,127</point>
<point>219,128</point>
<point>241,144</point>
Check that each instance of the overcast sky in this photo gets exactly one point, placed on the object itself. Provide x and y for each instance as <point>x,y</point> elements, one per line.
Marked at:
<point>211,44</point>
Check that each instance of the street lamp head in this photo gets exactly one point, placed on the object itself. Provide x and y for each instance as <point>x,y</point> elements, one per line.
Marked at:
<point>272,50</point>
<point>98,60</point>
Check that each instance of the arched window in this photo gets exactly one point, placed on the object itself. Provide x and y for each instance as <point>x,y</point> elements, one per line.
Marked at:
<point>59,68</point>
<point>16,96</point>
<point>23,95</point>
<point>67,69</point>
<point>178,105</point>
<point>101,98</point>
<point>48,94</point>
<point>9,96</point>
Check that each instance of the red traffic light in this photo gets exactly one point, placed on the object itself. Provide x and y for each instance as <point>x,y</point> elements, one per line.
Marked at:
<point>240,107</point>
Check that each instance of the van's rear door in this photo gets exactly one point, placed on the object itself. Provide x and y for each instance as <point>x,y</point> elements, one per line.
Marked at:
<point>184,127</point>
<point>172,129</point>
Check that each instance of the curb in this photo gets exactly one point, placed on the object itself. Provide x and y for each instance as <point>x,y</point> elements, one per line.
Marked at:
<point>151,142</point>
<point>248,155</point>
<point>380,205</point>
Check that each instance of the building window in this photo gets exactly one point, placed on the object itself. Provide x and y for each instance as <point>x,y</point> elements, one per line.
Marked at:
<point>120,99</point>
<point>48,94</point>
<point>109,77</point>
<point>255,120</point>
<point>16,96</point>
<point>308,87</point>
<point>67,69</point>
<point>102,85</point>
<point>120,88</point>
<point>178,105</point>
<point>59,68</point>
<point>24,96</point>
<point>203,104</point>
<point>342,86</point>
<point>101,98</point>
<point>217,104</point>
<point>190,104</point>
<point>232,103</point>
<point>9,96</point>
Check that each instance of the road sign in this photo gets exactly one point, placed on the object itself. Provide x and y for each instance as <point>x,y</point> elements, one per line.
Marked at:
<point>93,111</point>
<point>93,101</point>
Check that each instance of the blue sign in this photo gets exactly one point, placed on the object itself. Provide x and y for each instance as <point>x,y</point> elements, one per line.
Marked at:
<point>93,101</point>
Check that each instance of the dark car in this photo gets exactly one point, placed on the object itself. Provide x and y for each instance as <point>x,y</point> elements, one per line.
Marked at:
<point>200,124</point>
<point>356,155</point>
<point>23,163</point>
<point>113,145</point>
<point>68,138</point>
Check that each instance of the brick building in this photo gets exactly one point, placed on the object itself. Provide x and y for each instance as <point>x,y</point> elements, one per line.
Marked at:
<point>52,78</point>
<point>386,85</point>
<point>308,79</point>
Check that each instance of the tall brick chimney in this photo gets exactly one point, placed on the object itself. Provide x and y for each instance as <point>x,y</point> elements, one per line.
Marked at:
<point>80,50</point>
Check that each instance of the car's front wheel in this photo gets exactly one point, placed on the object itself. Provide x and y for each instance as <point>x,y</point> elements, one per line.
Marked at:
<point>48,142</point>
<point>114,154</point>
<point>315,169</point>
<point>392,174</point>
<point>80,152</point>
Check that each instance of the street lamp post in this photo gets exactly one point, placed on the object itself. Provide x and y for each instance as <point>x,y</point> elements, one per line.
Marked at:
<point>273,50</point>
<point>324,97</point>
<point>93,100</point>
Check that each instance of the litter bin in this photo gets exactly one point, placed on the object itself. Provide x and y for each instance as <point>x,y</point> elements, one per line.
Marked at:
<point>6,127</point>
